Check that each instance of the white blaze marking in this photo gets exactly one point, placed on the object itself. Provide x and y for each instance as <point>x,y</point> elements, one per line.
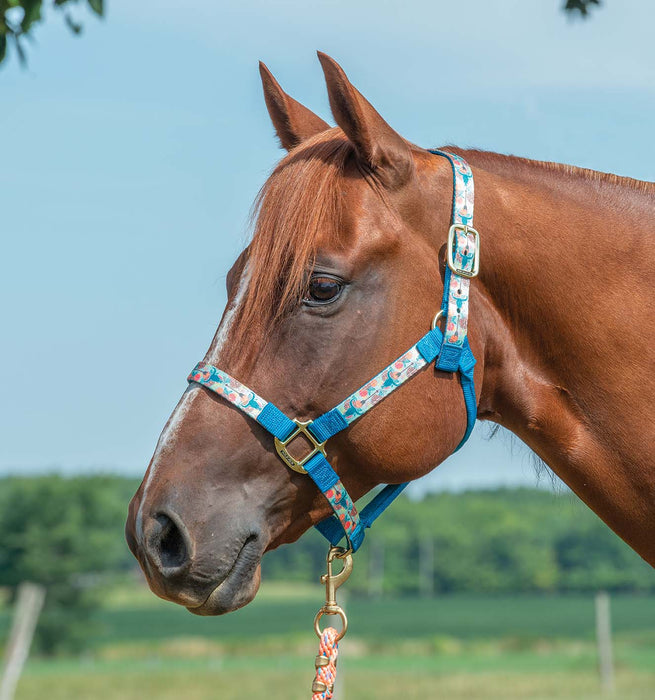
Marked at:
<point>172,427</point>
<point>167,436</point>
<point>226,324</point>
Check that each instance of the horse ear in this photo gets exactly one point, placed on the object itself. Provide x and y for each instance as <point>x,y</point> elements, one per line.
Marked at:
<point>380,147</point>
<point>293,123</point>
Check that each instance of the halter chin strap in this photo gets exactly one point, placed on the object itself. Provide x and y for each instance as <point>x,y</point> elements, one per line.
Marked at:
<point>450,349</point>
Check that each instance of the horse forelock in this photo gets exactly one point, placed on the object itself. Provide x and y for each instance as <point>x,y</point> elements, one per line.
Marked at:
<point>298,208</point>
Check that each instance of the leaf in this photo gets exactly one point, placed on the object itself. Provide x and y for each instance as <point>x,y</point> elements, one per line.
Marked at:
<point>22,58</point>
<point>32,14</point>
<point>97,6</point>
<point>74,26</point>
<point>581,6</point>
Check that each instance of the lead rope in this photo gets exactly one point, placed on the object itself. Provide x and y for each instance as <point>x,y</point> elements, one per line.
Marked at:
<point>326,665</point>
<point>328,648</point>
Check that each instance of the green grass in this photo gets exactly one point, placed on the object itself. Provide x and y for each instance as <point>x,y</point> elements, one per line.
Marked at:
<point>462,617</point>
<point>449,647</point>
<point>283,678</point>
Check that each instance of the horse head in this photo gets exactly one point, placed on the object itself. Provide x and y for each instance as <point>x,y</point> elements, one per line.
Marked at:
<point>344,271</point>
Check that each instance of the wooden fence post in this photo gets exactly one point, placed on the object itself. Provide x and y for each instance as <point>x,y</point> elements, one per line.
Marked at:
<point>339,686</point>
<point>28,607</point>
<point>376,568</point>
<point>604,640</point>
<point>426,565</point>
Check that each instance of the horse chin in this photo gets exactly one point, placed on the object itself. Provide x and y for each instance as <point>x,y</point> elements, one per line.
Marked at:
<point>237,590</point>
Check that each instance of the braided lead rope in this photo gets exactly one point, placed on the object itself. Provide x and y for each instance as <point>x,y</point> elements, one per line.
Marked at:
<point>326,665</point>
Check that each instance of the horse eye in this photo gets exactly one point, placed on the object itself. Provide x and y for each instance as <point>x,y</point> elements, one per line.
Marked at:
<point>322,290</point>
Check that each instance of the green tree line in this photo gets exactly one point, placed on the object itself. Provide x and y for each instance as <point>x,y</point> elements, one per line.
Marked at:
<point>67,533</point>
<point>497,541</point>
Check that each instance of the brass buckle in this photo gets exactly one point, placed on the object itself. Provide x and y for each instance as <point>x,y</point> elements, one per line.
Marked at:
<point>287,458</point>
<point>450,254</point>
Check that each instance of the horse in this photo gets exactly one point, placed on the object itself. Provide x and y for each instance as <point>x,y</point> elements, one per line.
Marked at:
<point>346,267</point>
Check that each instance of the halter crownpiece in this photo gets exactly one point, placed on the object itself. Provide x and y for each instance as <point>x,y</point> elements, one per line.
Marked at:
<point>450,350</point>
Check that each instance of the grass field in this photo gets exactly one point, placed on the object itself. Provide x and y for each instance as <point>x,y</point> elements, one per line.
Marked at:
<point>449,647</point>
<point>287,682</point>
<point>463,617</point>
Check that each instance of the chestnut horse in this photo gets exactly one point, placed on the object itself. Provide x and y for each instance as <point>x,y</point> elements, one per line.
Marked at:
<point>345,270</point>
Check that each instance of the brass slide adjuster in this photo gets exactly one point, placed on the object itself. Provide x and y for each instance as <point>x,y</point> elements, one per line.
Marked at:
<point>291,462</point>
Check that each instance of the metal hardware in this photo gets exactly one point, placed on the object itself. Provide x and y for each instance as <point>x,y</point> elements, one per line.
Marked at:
<point>333,581</point>
<point>287,458</point>
<point>436,318</point>
<point>451,248</point>
<point>319,687</point>
<point>321,661</point>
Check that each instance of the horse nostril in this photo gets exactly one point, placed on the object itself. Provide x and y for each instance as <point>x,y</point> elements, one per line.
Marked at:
<point>168,544</point>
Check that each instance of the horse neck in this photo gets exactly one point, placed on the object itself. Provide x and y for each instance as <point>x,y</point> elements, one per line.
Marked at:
<point>561,294</point>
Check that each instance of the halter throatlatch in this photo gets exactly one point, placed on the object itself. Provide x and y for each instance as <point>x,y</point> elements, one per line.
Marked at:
<point>449,350</point>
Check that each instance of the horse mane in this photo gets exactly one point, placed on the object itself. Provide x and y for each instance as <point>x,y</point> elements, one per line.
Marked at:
<point>298,206</point>
<point>512,165</point>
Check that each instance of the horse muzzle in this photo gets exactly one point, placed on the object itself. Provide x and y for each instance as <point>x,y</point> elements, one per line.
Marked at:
<point>199,574</point>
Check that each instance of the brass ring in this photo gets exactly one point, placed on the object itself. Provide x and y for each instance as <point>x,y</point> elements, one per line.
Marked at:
<point>337,552</point>
<point>336,611</point>
<point>435,320</point>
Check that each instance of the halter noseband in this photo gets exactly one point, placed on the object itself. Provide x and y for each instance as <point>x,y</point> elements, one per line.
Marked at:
<point>450,349</point>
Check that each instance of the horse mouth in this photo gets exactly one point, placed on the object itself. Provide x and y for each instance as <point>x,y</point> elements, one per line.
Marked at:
<point>240,585</point>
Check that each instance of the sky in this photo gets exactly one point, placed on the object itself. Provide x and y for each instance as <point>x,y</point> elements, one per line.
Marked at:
<point>132,154</point>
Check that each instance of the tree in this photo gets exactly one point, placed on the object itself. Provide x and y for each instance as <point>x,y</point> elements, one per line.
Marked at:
<point>18,18</point>
<point>580,6</point>
<point>62,533</point>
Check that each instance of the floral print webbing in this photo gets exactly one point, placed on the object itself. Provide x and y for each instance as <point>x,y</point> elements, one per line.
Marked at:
<point>228,387</point>
<point>465,252</point>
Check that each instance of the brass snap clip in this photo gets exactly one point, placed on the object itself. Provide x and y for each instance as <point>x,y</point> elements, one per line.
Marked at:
<point>333,581</point>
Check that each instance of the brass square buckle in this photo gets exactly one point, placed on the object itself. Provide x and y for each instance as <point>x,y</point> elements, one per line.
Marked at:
<point>287,458</point>
<point>452,248</point>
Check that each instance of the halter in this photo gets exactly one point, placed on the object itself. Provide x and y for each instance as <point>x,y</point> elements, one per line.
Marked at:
<point>450,350</point>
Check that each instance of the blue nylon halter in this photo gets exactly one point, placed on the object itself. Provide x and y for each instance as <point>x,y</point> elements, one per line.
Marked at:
<point>450,349</point>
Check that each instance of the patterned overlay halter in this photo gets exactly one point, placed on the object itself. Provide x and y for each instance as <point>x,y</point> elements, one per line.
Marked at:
<point>449,350</point>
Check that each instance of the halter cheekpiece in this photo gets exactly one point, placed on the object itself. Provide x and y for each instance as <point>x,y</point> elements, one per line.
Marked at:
<point>449,350</point>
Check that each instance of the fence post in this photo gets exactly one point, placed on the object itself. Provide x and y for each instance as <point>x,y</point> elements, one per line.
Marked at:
<point>604,640</point>
<point>376,568</point>
<point>426,565</point>
<point>339,685</point>
<point>28,607</point>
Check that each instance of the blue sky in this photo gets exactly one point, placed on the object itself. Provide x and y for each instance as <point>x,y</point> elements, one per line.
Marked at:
<point>131,157</point>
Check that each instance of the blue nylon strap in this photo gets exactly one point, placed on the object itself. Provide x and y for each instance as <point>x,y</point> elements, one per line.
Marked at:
<point>380,502</point>
<point>430,345</point>
<point>327,425</point>
<point>448,273</point>
<point>332,529</point>
<point>321,472</point>
<point>276,422</point>
<point>449,358</point>
<point>325,478</point>
<point>466,366</point>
